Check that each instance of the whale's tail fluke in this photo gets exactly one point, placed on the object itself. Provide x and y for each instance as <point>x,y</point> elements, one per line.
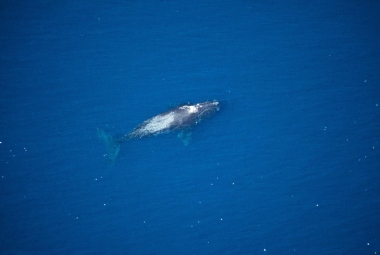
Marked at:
<point>113,145</point>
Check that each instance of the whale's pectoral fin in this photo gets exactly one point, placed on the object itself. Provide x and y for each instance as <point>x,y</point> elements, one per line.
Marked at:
<point>113,145</point>
<point>185,136</point>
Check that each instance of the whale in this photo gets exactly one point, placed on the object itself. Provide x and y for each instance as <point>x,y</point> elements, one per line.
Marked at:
<point>182,118</point>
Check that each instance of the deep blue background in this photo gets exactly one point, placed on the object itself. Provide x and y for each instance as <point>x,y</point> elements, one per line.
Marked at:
<point>290,165</point>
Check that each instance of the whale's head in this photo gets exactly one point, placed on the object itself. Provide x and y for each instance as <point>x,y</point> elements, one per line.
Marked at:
<point>207,108</point>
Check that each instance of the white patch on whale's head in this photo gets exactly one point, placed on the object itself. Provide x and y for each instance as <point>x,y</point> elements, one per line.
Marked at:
<point>192,109</point>
<point>189,108</point>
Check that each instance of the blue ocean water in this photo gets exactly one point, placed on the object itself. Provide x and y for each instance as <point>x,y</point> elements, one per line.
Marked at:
<point>290,164</point>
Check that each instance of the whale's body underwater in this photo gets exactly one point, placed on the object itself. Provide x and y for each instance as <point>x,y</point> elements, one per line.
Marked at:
<point>182,118</point>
